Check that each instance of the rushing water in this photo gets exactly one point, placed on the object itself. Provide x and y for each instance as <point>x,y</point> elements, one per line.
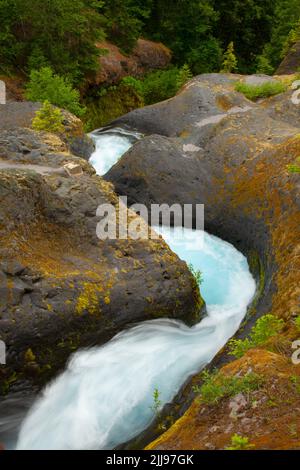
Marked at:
<point>105,396</point>
<point>111,144</point>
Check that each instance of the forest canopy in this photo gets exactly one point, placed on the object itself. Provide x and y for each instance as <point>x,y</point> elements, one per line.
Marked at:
<point>63,34</point>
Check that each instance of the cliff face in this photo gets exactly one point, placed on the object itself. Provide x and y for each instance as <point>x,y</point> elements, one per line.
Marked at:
<point>211,145</point>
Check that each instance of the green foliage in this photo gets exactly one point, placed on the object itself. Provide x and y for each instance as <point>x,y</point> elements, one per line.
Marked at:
<point>134,83</point>
<point>187,28</point>
<point>248,24</point>
<point>284,21</point>
<point>62,33</point>
<point>184,75</point>
<point>110,104</point>
<point>295,380</point>
<point>48,119</point>
<point>125,21</point>
<point>263,65</point>
<point>297,322</point>
<point>217,386</point>
<point>160,85</point>
<point>265,328</point>
<point>197,274</point>
<point>156,401</point>
<point>229,60</point>
<point>294,167</point>
<point>45,85</point>
<point>293,37</point>
<point>239,443</point>
<point>255,92</point>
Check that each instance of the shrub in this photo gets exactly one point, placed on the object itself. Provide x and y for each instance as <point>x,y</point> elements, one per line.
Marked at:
<point>239,443</point>
<point>265,328</point>
<point>297,322</point>
<point>48,119</point>
<point>217,386</point>
<point>197,274</point>
<point>184,75</point>
<point>229,60</point>
<point>254,92</point>
<point>44,85</point>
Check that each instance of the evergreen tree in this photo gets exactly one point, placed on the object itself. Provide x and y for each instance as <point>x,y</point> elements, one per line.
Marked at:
<point>229,60</point>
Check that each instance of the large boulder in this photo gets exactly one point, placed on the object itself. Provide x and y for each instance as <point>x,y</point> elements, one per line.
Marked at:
<point>61,287</point>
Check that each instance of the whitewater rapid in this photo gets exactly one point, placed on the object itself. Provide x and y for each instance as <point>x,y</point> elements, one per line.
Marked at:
<point>105,396</point>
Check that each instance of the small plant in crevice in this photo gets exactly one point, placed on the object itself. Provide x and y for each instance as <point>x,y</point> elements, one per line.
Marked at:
<point>265,328</point>
<point>156,401</point>
<point>217,386</point>
<point>197,274</point>
<point>294,167</point>
<point>240,443</point>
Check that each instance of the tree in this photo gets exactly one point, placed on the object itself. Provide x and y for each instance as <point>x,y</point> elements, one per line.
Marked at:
<point>45,85</point>
<point>248,23</point>
<point>48,119</point>
<point>62,33</point>
<point>229,60</point>
<point>187,28</point>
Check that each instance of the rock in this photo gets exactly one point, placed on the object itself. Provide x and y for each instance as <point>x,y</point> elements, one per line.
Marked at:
<point>238,172</point>
<point>146,56</point>
<point>237,405</point>
<point>61,288</point>
<point>291,62</point>
<point>241,174</point>
<point>20,114</point>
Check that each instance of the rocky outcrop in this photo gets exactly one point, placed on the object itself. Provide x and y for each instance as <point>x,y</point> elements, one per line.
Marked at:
<point>291,62</point>
<point>211,145</point>
<point>20,115</point>
<point>61,287</point>
<point>146,57</point>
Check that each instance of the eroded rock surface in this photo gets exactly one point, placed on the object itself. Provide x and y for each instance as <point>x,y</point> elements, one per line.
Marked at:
<point>211,145</point>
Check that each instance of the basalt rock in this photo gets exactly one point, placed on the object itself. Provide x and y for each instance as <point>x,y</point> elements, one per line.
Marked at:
<point>61,288</point>
<point>19,114</point>
<point>211,145</point>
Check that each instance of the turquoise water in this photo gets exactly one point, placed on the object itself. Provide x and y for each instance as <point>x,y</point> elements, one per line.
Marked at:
<point>110,144</point>
<point>105,396</point>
